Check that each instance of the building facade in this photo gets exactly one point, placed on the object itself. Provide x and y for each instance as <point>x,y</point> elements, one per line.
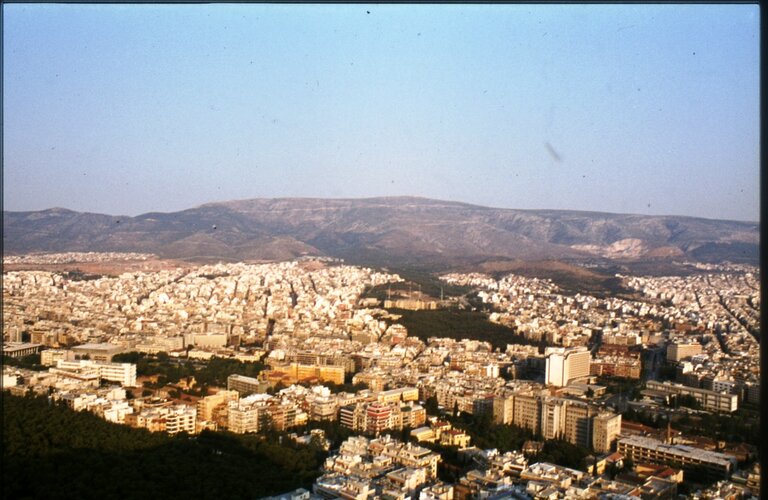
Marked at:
<point>643,449</point>
<point>565,364</point>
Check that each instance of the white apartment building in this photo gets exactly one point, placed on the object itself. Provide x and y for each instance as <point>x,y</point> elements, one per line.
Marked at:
<point>249,414</point>
<point>117,411</point>
<point>181,418</point>
<point>122,373</point>
<point>565,364</point>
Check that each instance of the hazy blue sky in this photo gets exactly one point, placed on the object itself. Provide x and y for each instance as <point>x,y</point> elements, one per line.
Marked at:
<point>125,109</point>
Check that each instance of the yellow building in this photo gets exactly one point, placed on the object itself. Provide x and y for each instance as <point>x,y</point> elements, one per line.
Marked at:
<point>295,372</point>
<point>396,395</point>
<point>455,437</point>
<point>423,434</point>
<point>207,407</point>
<point>375,381</point>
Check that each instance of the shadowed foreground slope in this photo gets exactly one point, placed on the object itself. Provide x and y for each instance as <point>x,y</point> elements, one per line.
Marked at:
<point>50,451</point>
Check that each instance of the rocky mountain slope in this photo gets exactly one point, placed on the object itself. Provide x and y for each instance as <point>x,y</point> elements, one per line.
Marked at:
<point>399,230</point>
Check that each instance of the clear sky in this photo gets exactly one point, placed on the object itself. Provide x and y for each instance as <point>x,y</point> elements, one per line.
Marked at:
<point>126,109</point>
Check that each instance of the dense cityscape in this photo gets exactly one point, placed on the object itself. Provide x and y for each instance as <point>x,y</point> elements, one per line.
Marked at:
<point>384,251</point>
<point>542,393</point>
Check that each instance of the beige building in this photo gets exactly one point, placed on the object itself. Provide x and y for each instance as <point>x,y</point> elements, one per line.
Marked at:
<point>605,429</point>
<point>709,400</point>
<point>282,415</point>
<point>213,408</point>
<point>180,419</point>
<point>643,449</point>
<point>211,340</point>
<point>577,427</point>
<point>527,412</point>
<point>49,357</point>
<point>97,352</point>
<point>246,385</point>
<point>375,381</point>
<point>678,351</point>
<point>415,456</point>
<point>396,395</point>
<point>170,419</point>
<point>455,437</point>
<point>423,434</point>
<point>503,409</point>
<point>295,372</point>
<point>20,349</point>
<point>572,420</point>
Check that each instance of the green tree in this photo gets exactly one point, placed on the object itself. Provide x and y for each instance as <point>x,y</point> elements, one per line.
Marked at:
<point>431,406</point>
<point>613,470</point>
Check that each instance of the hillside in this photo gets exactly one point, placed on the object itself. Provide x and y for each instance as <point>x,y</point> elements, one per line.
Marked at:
<point>384,231</point>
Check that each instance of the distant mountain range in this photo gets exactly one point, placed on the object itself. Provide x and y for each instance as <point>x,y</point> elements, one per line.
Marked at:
<point>383,231</point>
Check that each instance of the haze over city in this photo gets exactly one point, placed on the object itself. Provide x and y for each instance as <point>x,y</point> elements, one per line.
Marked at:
<point>126,109</point>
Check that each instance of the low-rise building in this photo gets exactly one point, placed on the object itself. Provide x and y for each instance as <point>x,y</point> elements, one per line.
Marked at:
<point>49,357</point>
<point>97,352</point>
<point>122,373</point>
<point>20,349</point>
<point>709,400</point>
<point>643,449</point>
<point>246,385</point>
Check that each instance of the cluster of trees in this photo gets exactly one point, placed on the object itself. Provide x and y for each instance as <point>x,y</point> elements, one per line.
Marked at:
<point>646,418</point>
<point>170,371</point>
<point>458,324</point>
<point>416,279</point>
<point>485,434</point>
<point>743,426</point>
<point>562,453</point>
<point>668,371</point>
<point>78,275</point>
<point>345,387</point>
<point>738,427</point>
<point>50,451</point>
<point>678,400</point>
<point>621,385</point>
<point>30,362</point>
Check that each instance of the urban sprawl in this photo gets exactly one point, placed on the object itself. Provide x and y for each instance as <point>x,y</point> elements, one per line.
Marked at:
<point>691,345</point>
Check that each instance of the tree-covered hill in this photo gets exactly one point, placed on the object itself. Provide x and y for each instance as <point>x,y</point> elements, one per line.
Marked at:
<point>50,451</point>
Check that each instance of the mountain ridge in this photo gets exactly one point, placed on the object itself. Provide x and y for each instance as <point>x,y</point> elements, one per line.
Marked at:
<point>402,229</point>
